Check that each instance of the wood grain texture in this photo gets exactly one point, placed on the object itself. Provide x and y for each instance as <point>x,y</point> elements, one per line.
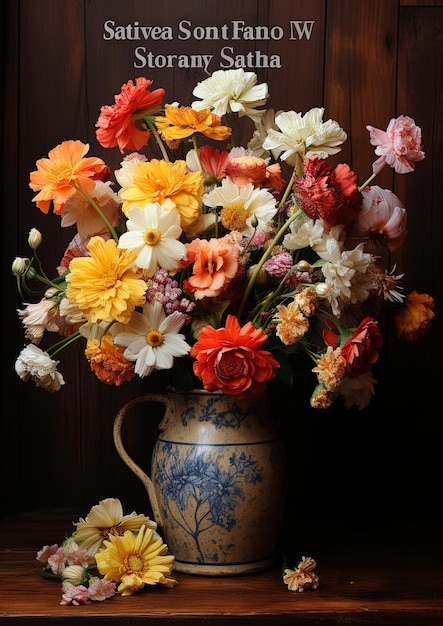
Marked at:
<point>361,587</point>
<point>366,62</point>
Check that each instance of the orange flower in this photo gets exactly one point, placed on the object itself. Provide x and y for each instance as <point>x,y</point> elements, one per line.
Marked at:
<point>216,263</point>
<point>107,361</point>
<point>414,318</point>
<point>121,124</point>
<point>164,182</point>
<point>250,169</point>
<point>229,359</point>
<point>182,122</point>
<point>66,166</point>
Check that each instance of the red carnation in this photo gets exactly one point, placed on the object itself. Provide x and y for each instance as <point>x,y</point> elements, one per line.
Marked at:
<point>328,193</point>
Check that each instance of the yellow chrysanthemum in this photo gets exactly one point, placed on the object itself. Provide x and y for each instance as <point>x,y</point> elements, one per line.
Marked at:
<point>134,561</point>
<point>182,122</point>
<point>106,519</point>
<point>168,184</point>
<point>103,285</point>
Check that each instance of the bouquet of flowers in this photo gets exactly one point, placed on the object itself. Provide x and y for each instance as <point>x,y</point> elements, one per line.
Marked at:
<point>217,265</point>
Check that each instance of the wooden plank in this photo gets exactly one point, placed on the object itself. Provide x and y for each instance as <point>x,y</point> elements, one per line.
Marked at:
<point>395,587</point>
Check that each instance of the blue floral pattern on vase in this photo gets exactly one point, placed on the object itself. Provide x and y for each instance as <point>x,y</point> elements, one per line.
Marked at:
<point>218,469</point>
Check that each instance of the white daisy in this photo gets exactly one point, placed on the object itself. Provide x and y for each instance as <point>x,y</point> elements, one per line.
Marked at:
<point>304,135</point>
<point>153,235</point>
<point>231,91</point>
<point>152,339</point>
<point>257,205</point>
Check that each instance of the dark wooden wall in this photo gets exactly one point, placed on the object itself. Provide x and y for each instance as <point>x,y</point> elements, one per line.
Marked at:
<point>366,62</point>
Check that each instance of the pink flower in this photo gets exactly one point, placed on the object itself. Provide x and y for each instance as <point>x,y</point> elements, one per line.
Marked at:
<point>57,561</point>
<point>47,551</point>
<point>399,147</point>
<point>76,596</point>
<point>278,265</point>
<point>100,590</point>
<point>382,220</point>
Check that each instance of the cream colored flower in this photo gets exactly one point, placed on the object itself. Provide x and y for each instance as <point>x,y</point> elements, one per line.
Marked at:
<point>304,135</point>
<point>231,91</point>
<point>106,519</point>
<point>34,364</point>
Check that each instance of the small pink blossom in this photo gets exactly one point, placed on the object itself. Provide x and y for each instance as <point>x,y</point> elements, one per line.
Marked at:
<point>47,551</point>
<point>278,265</point>
<point>399,146</point>
<point>100,590</point>
<point>57,562</point>
<point>76,595</point>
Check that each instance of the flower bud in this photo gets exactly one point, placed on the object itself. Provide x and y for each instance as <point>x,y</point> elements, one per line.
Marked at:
<point>51,292</point>
<point>34,238</point>
<point>321,289</point>
<point>20,265</point>
<point>262,277</point>
<point>304,266</point>
<point>75,574</point>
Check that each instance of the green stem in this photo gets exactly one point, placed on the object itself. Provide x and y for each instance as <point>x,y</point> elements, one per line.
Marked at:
<point>263,259</point>
<point>365,184</point>
<point>58,347</point>
<point>197,155</point>
<point>98,210</point>
<point>160,143</point>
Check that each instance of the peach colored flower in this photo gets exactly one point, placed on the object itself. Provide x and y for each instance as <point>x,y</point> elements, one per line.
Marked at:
<point>251,169</point>
<point>399,146</point>
<point>215,264</point>
<point>56,176</point>
<point>330,368</point>
<point>414,318</point>
<point>78,210</point>
<point>292,325</point>
<point>230,360</point>
<point>381,221</point>
<point>121,124</point>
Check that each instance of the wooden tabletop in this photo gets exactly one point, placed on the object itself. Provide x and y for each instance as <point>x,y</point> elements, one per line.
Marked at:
<point>359,585</point>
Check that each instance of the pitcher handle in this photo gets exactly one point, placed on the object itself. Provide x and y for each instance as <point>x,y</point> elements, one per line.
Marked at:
<point>145,479</point>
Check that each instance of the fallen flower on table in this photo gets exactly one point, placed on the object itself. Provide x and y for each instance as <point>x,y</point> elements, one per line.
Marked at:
<point>125,549</point>
<point>303,577</point>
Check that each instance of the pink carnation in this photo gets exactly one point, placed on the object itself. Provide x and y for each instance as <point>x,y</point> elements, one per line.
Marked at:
<point>399,146</point>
